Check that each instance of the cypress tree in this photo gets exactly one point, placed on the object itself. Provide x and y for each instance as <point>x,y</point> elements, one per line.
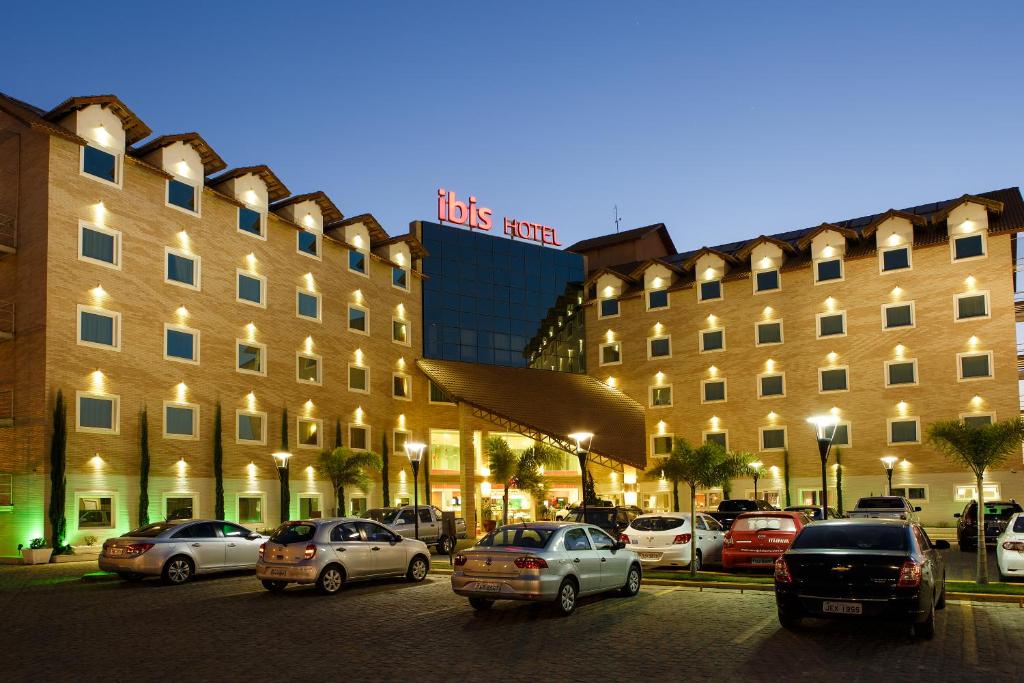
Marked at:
<point>839,482</point>
<point>385,484</point>
<point>58,480</point>
<point>218,465</point>
<point>337,433</point>
<point>143,467</point>
<point>785,474</point>
<point>282,472</point>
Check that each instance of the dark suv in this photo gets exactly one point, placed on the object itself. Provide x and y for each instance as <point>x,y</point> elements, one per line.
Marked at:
<point>729,510</point>
<point>997,514</point>
<point>611,519</point>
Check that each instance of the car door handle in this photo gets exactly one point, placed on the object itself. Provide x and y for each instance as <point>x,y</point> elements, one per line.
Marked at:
<point>604,559</point>
<point>576,560</point>
<point>700,538</point>
<point>195,545</point>
<point>340,549</point>
<point>231,545</point>
<point>375,548</point>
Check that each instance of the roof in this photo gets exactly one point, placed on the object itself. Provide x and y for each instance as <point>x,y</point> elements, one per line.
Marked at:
<point>626,236</point>
<point>212,161</point>
<point>33,117</point>
<point>328,208</point>
<point>546,403</point>
<point>134,128</point>
<point>416,248</point>
<point>378,235</point>
<point>275,188</point>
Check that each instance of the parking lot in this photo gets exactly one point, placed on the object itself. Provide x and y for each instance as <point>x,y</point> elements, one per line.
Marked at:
<point>58,626</point>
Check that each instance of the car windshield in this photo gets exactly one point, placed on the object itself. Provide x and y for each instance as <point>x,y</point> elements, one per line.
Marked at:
<point>658,523</point>
<point>517,536</point>
<point>293,532</point>
<point>880,503</point>
<point>603,517</point>
<point>764,523</point>
<point>1001,511</point>
<point>852,537</point>
<point>150,530</point>
<point>736,505</point>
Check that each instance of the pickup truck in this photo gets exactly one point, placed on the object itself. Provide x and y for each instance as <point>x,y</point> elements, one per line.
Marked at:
<point>401,521</point>
<point>729,510</point>
<point>884,507</point>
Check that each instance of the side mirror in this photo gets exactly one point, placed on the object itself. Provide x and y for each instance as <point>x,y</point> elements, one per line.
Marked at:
<point>253,536</point>
<point>618,545</point>
<point>917,509</point>
<point>940,545</point>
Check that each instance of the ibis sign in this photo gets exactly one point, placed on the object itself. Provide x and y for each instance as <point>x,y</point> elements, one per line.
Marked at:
<point>470,214</point>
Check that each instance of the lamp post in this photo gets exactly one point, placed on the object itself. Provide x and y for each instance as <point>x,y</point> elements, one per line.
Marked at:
<point>824,431</point>
<point>281,459</point>
<point>414,451</point>
<point>756,469</point>
<point>583,441</point>
<point>889,462</point>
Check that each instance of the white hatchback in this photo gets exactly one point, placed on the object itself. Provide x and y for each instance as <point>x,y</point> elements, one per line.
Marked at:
<point>663,538</point>
<point>1010,547</point>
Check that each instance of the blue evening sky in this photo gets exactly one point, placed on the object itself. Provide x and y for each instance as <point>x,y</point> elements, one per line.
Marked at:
<point>723,120</point>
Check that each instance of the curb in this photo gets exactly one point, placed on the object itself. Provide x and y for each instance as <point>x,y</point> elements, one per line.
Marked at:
<point>99,577</point>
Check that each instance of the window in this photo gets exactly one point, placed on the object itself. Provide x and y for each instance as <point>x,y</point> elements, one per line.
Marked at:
<point>721,438</point>
<point>841,437</point>
<point>894,258</point>
<point>181,343</point>
<point>357,262</point>
<point>968,247</point>
<point>250,509</point>
<point>828,270</point>
<point>181,269</point>
<point>359,379</point>
<point>971,306</point>
<point>250,222</point>
<point>181,421</point>
<point>437,394</point>
<point>400,331</point>
<point>99,328</point>
<point>250,357</point>
<point>769,386</point>
<point>307,368</point>
<point>773,438</point>
<point>712,390</point>
<point>309,433</point>
<point>831,324</point>
<point>767,281</point>
<point>897,315</point>
<point>611,353</point>
<point>977,419</point>
<point>609,308</point>
<point>833,379</point>
<point>970,492</point>
<point>307,305</point>
<point>399,278</point>
<point>250,427</point>
<point>659,347</point>
<point>767,333</point>
<point>101,164</point>
<point>710,290</point>
<point>180,506</point>
<point>661,445</point>
<point>308,243</point>
<point>309,508</point>
<point>358,319</point>
<point>401,386</point>
<point>358,437</point>
<point>96,511</point>
<point>661,397</point>
<point>399,437</point>
<point>251,289</point>
<point>911,492</point>
<point>444,451</point>
<point>182,196</point>
<point>6,491</point>
<point>904,430</point>
<point>712,340</point>
<point>97,413</point>
<point>900,372</point>
<point>974,365</point>
<point>657,299</point>
<point>101,246</point>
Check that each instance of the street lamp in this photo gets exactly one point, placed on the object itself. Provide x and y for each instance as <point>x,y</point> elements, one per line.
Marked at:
<point>756,469</point>
<point>824,431</point>
<point>281,460</point>
<point>888,462</point>
<point>583,441</point>
<point>414,451</point>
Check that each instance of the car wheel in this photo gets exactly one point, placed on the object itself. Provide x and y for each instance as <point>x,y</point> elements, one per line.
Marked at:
<point>565,601</point>
<point>274,586</point>
<point>480,603</point>
<point>445,545</point>
<point>941,602</point>
<point>632,585</point>
<point>926,629</point>
<point>698,562</point>
<point>417,569</point>
<point>788,620</point>
<point>178,570</point>
<point>330,580</point>
<point>131,576</point>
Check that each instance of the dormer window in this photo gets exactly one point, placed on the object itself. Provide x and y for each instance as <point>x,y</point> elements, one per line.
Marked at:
<point>767,281</point>
<point>657,299</point>
<point>609,308</point>
<point>710,290</point>
<point>250,221</point>
<point>100,164</point>
<point>400,277</point>
<point>308,243</point>
<point>828,269</point>
<point>357,261</point>
<point>895,258</point>
<point>968,246</point>
<point>181,195</point>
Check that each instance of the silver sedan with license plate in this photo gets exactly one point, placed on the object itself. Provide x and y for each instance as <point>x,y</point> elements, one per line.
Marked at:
<point>555,562</point>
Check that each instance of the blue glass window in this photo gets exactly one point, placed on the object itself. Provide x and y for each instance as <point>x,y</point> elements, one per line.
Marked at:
<point>308,243</point>
<point>830,270</point>
<point>609,307</point>
<point>181,344</point>
<point>250,289</point>
<point>657,299</point>
<point>969,247</point>
<point>178,420</point>
<point>357,319</point>
<point>181,195</point>
<point>250,427</point>
<point>181,269</point>
<point>99,246</point>
<point>399,277</point>
<point>357,261</point>
<point>767,280</point>
<point>250,358</point>
<point>96,328</point>
<point>712,340</point>
<point>309,305</point>
<point>96,413</point>
<point>896,259</point>
<point>711,290</point>
<point>250,221</point>
<point>661,348</point>
<point>99,163</point>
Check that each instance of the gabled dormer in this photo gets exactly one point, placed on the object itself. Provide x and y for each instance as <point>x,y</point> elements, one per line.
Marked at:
<point>893,232</point>
<point>310,212</point>
<point>403,251</point>
<point>967,220</point>
<point>254,187</point>
<point>608,285</point>
<point>361,233</point>
<point>827,244</point>
<point>766,255</point>
<point>188,159</point>
<point>657,277</point>
<point>709,267</point>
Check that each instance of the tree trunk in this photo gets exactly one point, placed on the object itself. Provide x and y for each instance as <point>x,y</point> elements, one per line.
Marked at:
<point>340,497</point>
<point>693,531</point>
<point>675,495</point>
<point>982,548</point>
<point>504,507</point>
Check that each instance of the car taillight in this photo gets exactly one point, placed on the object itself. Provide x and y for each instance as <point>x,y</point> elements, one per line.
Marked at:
<point>782,574</point>
<point>910,575</point>
<point>727,539</point>
<point>137,548</point>
<point>460,560</point>
<point>624,538</point>
<point>682,538</point>
<point>310,551</point>
<point>1013,545</point>
<point>263,549</point>
<point>527,562</point>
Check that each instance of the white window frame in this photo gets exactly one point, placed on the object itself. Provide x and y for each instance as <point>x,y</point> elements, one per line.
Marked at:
<point>408,278</point>
<point>394,440</point>
<point>905,489</point>
<point>849,434</point>
<point>897,361</point>
<point>700,340</point>
<point>195,343</point>
<point>430,396</point>
<point>263,223</point>
<point>618,308</point>
<point>650,395</point>
<point>115,413</point>
<point>116,234</point>
<point>991,415</point>
<point>263,507</point>
<point>263,288</point>
<point>714,380</point>
<point>90,493</point>
<point>408,331</point>
<point>366,319</point>
<point>408,386</point>
<point>600,353</point>
<point>964,295</point>
<point>191,495</point>
<point>704,435</point>
<point>897,304</point>
<point>299,420</point>
<point>302,291</point>
<point>984,247</point>
<point>993,491</point>
<point>655,338</point>
<point>366,256</point>
<point>194,407</point>
<point>760,438</point>
<point>348,378</point>
<point>844,368</point>
<point>753,280</point>
<point>700,290</point>
<point>197,262</point>
<point>763,375</point>
<point>881,259</point>
<point>263,358</point>
<point>312,495</point>
<point>959,366</point>
<point>757,337</point>
<point>103,312</point>
<point>118,166</point>
<point>369,436</point>
<point>318,256</point>
<point>263,429</point>
<point>842,270</point>
<point>647,299</point>
<point>671,440</point>
<point>888,430</point>
<point>197,194</point>
<point>319,368</point>
<point>829,314</point>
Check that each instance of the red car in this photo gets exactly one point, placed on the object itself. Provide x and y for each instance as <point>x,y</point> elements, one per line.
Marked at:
<point>757,539</point>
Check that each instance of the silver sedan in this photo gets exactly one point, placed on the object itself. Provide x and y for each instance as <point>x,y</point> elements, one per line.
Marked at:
<point>179,549</point>
<point>553,562</point>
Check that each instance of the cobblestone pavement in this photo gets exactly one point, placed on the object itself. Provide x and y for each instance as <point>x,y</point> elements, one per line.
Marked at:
<point>58,627</point>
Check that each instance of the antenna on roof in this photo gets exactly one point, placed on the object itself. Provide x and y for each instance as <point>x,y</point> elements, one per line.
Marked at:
<point>617,219</point>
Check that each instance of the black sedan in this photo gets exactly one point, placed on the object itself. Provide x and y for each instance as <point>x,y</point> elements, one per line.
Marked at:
<point>875,568</point>
<point>997,513</point>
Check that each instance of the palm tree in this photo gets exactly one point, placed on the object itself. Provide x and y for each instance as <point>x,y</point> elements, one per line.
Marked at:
<point>344,467</point>
<point>978,448</point>
<point>519,470</point>
<point>501,460</point>
<point>707,466</point>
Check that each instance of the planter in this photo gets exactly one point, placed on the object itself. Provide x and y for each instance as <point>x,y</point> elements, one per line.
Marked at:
<point>37,556</point>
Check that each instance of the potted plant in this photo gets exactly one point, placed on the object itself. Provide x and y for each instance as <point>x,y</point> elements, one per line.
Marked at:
<point>36,552</point>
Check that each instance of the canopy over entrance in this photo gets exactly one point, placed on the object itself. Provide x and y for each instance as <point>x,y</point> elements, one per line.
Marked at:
<point>548,406</point>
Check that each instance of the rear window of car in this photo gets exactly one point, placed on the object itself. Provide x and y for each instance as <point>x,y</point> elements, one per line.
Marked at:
<point>880,503</point>
<point>1018,526</point>
<point>852,537</point>
<point>1001,510</point>
<point>764,523</point>
<point>658,523</point>
<point>150,530</point>
<point>519,537</point>
<point>736,505</point>
<point>293,533</point>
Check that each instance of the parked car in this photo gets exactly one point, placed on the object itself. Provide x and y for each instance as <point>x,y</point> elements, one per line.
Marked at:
<point>179,549</point>
<point>884,507</point>
<point>814,511</point>
<point>880,568</point>
<point>664,538</point>
<point>329,552</point>
<point>729,510</point>
<point>997,514</point>
<point>566,512</point>
<point>1010,548</point>
<point>401,521</point>
<point>555,562</point>
<point>757,539</point>
<point>612,518</point>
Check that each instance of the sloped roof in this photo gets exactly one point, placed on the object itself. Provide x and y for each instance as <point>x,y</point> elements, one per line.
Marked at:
<point>134,128</point>
<point>275,188</point>
<point>33,117</point>
<point>378,235</point>
<point>551,403</point>
<point>328,209</point>
<point>212,162</point>
<point>625,236</point>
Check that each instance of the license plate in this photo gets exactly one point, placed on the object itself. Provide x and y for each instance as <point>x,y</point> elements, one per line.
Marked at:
<point>115,552</point>
<point>842,607</point>
<point>650,556</point>
<point>278,572</point>
<point>489,587</point>
<point>762,560</point>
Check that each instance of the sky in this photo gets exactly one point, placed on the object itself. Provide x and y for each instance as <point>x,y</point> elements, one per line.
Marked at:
<point>722,120</point>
